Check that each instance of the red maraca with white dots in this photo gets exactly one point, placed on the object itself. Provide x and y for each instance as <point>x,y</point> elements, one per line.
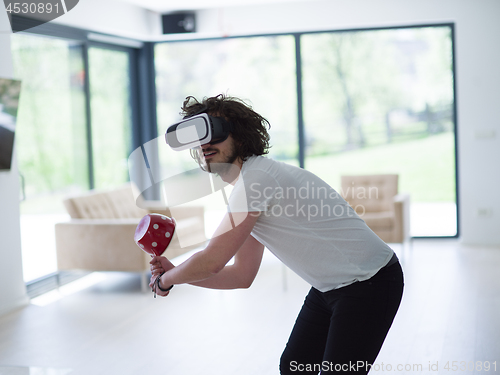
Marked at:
<point>154,233</point>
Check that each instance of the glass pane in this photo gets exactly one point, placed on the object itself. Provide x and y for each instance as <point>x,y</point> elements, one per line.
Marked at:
<point>111,116</point>
<point>382,102</point>
<point>50,141</point>
<point>259,70</point>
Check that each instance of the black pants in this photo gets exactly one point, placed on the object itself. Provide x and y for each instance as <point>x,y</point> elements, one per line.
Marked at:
<point>342,330</point>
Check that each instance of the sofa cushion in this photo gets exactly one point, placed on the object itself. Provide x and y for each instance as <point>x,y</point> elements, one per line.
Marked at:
<point>379,220</point>
<point>93,205</point>
<point>123,204</point>
<point>374,193</point>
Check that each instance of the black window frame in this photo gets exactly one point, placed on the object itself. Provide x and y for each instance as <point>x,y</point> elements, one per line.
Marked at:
<point>300,118</point>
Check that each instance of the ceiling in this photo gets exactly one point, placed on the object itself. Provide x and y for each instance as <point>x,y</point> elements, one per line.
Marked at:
<point>165,6</point>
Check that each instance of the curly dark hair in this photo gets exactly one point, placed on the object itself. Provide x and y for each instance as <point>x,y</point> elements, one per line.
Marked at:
<point>250,128</point>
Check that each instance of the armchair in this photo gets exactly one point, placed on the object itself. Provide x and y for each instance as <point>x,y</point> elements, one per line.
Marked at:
<point>375,198</point>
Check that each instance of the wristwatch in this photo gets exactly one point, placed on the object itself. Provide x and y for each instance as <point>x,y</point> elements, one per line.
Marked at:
<point>158,284</point>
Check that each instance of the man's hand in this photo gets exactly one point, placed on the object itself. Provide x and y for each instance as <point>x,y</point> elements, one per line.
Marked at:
<point>158,266</point>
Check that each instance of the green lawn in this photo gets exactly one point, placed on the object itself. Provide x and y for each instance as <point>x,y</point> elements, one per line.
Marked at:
<point>426,166</point>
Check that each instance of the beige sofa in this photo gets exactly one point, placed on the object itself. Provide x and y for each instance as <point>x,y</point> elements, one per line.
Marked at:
<point>375,198</point>
<point>100,234</point>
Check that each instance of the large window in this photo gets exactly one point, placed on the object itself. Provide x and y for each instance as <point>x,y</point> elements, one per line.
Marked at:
<point>373,101</point>
<point>259,70</point>
<point>58,112</point>
<point>382,101</point>
<point>111,115</point>
<point>51,141</point>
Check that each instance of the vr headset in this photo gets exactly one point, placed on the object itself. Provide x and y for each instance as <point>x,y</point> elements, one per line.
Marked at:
<point>196,131</point>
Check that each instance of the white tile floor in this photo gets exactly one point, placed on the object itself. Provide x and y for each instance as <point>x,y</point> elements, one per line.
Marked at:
<point>449,313</point>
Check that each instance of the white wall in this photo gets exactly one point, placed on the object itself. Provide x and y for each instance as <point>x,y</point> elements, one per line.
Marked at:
<point>477,75</point>
<point>113,17</point>
<point>13,290</point>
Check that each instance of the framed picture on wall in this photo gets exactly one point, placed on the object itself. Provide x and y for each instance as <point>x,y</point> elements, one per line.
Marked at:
<point>10,90</point>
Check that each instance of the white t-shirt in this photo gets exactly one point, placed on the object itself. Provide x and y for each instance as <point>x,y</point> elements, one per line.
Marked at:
<point>307,224</point>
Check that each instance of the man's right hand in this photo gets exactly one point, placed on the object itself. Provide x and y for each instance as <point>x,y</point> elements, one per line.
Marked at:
<point>158,266</point>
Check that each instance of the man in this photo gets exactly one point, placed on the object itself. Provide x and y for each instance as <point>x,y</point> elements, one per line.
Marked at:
<point>356,279</point>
